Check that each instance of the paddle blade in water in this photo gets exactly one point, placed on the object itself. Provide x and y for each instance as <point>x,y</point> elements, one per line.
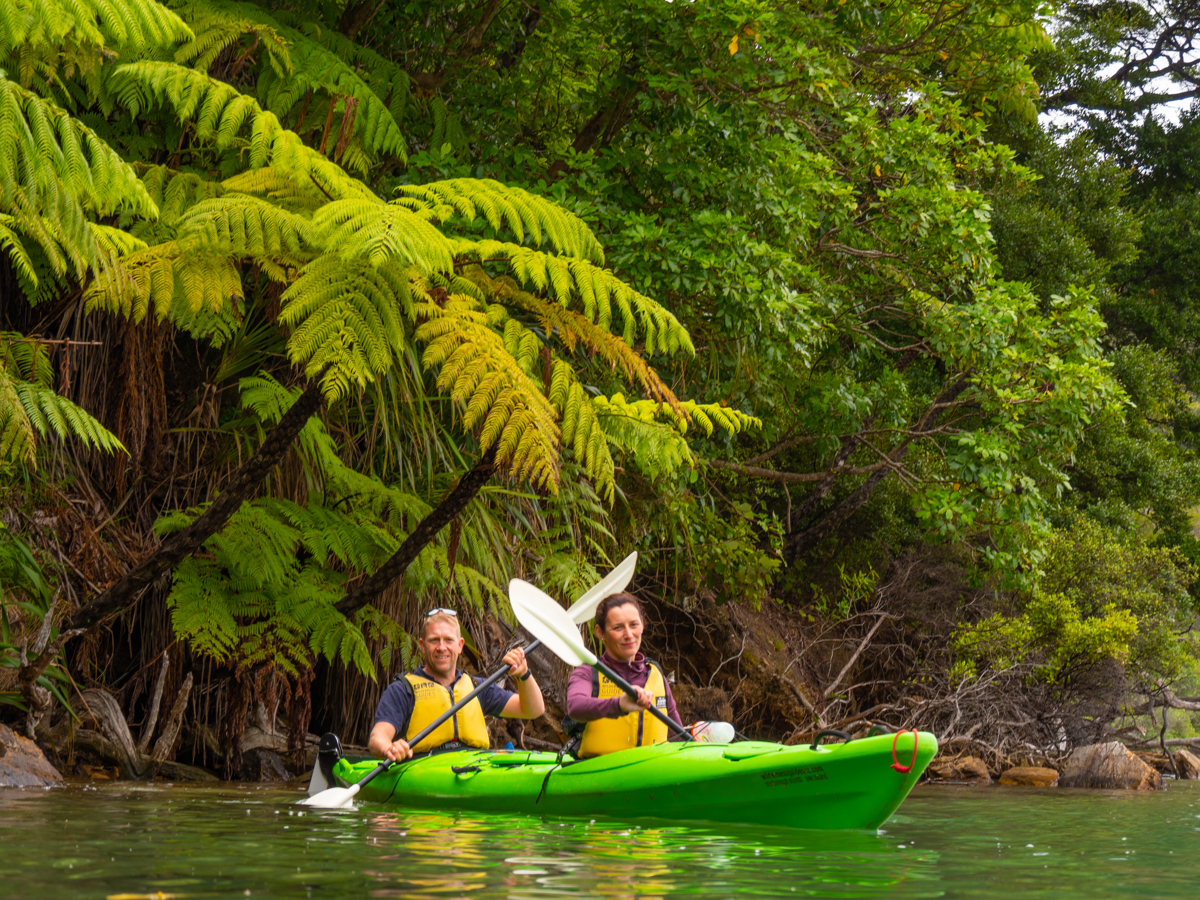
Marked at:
<point>548,622</point>
<point>615,581</point>
<point>334,798</point>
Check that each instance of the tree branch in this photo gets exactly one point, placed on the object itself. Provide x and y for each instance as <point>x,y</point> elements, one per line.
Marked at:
<point>242,484</point>
<point>427,529</point>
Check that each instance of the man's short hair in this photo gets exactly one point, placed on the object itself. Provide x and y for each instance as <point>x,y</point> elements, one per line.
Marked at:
<point>440,617</point>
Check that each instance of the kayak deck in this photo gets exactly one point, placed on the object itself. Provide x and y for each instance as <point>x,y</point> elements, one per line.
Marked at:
<point>853,785</point>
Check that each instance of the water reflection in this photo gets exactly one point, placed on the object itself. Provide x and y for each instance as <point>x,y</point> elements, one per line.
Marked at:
<point>227,842</point>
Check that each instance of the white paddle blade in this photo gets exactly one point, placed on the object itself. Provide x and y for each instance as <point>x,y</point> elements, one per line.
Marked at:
<point>334,798</point>
<point>549,623</point>
<point>614,582</point>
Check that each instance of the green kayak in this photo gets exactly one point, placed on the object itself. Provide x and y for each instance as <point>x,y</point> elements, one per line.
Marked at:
<point>856,784</point>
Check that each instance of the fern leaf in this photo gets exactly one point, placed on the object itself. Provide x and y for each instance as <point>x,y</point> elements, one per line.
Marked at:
<point>348,320</point>
<point>495,395</point>
<point>522,213</point>
<point>132,25</point>
<point>381,233</point>
<point>578,283</point>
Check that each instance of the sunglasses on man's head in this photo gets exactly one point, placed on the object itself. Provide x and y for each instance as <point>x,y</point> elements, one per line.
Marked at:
<point>448,612</point>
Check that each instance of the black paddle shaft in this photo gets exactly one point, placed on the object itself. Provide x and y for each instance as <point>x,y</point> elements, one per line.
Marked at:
<point>632,692</point>
<point>429,729</point>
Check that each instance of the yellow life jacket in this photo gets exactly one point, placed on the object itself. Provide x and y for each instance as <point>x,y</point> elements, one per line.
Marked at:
<point>431,699</point>
<point>635,729</point>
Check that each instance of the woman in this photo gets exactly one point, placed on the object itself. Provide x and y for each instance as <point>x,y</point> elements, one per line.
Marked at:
<point>612,720</point>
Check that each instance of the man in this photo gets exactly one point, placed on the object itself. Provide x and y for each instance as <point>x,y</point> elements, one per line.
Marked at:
<point>412,702</point>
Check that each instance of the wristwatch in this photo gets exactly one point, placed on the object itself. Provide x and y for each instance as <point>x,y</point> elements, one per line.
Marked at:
<point>528,674</point>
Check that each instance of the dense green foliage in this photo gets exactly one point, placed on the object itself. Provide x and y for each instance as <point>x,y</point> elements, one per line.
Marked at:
<point>912,314</point>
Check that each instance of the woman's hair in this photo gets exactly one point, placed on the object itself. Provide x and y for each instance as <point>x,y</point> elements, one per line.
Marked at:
<point>612,601</point>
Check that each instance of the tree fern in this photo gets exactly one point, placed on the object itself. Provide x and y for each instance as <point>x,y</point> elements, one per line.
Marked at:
<point>174,193</point>
<point>579,283</point>
<point>246,226</point>
<point>321,72</point>
<point>55,173</point>
<point>495,395</point>
<point>389,82</point>
<point>382,232</point>
<point>216,27</point>
<point>12,245</point>
<point>168,280</point>
<point>228,119</point>
<point>347,319</point>
<point>132,25</point>
<point>29,407</point>
<point>309,82</point>
<point>504,207</point>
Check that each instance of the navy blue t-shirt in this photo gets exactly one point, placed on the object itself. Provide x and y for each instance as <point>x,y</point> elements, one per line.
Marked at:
<point>396,705</point>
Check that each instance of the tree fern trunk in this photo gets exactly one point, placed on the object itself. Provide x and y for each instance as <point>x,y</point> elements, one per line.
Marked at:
<point>427,529</point>
<point>241,486</point>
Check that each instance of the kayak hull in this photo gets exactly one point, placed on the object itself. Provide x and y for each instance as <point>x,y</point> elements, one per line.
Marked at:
<point>854,785</point>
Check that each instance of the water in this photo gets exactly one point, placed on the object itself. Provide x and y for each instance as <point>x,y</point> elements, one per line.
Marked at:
<point>122,841</point>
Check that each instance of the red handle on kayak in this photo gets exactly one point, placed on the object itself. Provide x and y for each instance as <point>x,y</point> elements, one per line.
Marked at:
<point>896,764</point>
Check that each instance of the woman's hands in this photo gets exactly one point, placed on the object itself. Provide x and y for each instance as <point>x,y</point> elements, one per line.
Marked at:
<point>645,700</point>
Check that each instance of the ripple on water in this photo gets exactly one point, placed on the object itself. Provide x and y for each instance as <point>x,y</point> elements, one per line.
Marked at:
<point>971,843</point>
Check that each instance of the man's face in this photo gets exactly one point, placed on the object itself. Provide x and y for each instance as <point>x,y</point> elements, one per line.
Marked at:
<point>440,647</point>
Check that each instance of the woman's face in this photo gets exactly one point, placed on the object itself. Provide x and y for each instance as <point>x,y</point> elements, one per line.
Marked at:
<point>622,633</point>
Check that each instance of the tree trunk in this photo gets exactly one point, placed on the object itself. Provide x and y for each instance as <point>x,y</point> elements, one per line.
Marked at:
<point>427,529</point>
<point>245,481</point>
<point>357,16</point>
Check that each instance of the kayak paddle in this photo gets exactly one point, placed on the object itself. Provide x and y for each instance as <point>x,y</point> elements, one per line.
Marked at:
<point>581,610</point>
<point>556,629</point>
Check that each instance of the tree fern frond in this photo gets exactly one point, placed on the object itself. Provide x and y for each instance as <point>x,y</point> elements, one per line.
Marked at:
<point>18,441</point>
<point>526,215</point>
<point>132,25</point>
<point>381,232</point>
<point>389,82</point>
<point>29,405</point>
<point>44,151</point>
<point>246,226</point>
<point>348,320</point>
<point>18,256</point>
<point>571,327</point>
<point>280,186</point>
<point>218,26</point>
<point>657,448</point>
<point>578,283</point>
<point>175,192</point>
<point>221,115</point>
<point>169,279</point>
<point>317,69</point>
<point>495,395</point>
<point>582,432</point>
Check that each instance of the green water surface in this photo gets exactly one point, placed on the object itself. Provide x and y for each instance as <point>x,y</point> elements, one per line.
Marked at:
<point>120,841</point>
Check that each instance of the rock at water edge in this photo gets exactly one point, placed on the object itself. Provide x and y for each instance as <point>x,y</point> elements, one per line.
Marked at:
<point>960,770</point>
<point>1029,776</point>
<point>22,763</point>
<point>1187,764</point>
<point>1109,765</point>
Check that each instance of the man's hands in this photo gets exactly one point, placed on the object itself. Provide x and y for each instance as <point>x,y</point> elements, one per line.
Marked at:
<point>384,743</point>
<point>516,662</point>
<point>645,700</point>
<point>527,702</point>
<point>398,750</point>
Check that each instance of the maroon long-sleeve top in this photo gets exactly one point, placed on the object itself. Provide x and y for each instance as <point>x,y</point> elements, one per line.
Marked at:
<point>583,707</point>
